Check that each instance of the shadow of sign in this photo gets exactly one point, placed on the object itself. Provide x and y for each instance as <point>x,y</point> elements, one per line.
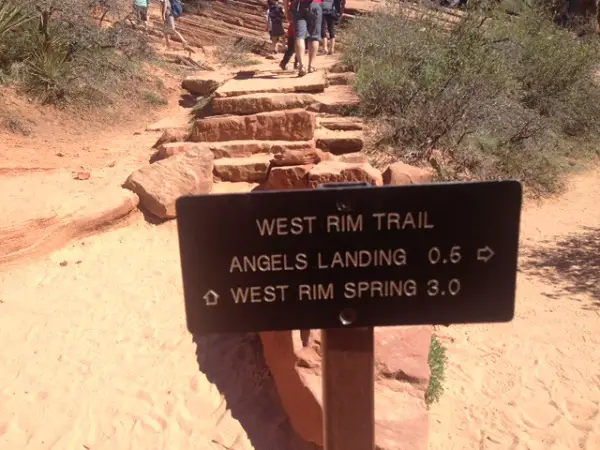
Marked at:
<point>571,264</point>
<point>234,363</point>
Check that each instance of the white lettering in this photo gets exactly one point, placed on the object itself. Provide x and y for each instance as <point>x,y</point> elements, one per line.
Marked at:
<point>283,226</point>
<point>396,221</point>
<point>268,263</point>
<point>380,289</point>
<point>363,258</point>
<point>315,292</point>
<point>259,294</point>
<point>344,224</point>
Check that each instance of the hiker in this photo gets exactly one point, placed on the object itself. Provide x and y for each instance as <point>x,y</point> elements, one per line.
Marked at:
<point>275,16</point>
<point>332,11</point>
<point>140,10</point>
<point>307,16</point>
<point>291,47</point>
<point>171,10</point>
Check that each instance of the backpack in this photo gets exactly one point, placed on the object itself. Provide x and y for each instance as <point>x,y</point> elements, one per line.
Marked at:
<point>276,14</point>
<point>176,8</point>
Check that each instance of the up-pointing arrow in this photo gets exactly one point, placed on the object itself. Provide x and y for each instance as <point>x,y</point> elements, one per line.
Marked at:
<point>211,298</point>
<point>484,254</point>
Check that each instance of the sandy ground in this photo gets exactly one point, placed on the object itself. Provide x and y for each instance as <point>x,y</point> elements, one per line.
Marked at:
<point>534,383</point>
<point>95,352</point>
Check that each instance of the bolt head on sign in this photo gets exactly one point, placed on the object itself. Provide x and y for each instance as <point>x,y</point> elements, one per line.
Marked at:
<point>350,256</point>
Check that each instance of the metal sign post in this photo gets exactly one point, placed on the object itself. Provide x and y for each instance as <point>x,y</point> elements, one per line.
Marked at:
<point>346,259</point>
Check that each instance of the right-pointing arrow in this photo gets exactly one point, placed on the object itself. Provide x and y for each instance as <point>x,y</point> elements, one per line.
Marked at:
<point>484,254</point>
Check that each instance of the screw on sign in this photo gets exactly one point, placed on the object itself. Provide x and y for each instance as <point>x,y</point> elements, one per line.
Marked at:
<point>347,258</point>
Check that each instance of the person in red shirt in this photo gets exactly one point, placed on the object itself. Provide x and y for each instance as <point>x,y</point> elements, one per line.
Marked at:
<point>291,47</point>
<point>307,16</point>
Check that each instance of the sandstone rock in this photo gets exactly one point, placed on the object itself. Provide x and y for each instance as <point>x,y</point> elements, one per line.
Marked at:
<point>337,172</point>
<point>312,82</point>
<point>251,169</point>
<point>83,175</point>
<point>338,123</point>
<point>228,187</point>
<point>257,103</point>
<point>339,142</point>
<point>357,157</point>
<point>293,125</point>
<point>336,100</point>
<point>399,173</point>
<point>288,177</point>
<point>174,148</point>
<point>296,157</point>
<point>159,185</point>
<point>401,374</point>
<point>204,83</point>
<point>336,79</point>
<point>172,135</point>
<point>176,121</point>
<point>238,149</point>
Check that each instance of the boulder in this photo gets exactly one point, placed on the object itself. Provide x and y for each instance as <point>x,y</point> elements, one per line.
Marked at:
<point>340,142</point>
<point>172,135</point>
<point>293,125</point>
<point>288,177</point>
<point>338,171</point>
<point>296,157</point>
<point>399,173</point>
<point>204,83</point>
<point>257,103</point>
<point>159,185</point>
<point>250,169</point>
<point>401,379</point>
<point>174,148</point>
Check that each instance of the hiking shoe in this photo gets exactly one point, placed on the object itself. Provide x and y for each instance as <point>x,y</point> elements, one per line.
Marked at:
<point>283,67</point>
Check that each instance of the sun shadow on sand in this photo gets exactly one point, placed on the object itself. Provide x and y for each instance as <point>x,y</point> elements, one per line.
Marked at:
<point>571,264</point>
<point>234,363</point>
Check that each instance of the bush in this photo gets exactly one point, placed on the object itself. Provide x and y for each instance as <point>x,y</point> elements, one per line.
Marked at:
<point>437,365</point>
<point>500,96</point>
<point>60,55</point>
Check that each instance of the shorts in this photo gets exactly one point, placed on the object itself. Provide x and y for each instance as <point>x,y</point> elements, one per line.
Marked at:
<point>141,12</point>
<point>308,18</point>
<point>277,30</point>
<point>170,25</point>
<point>329,20</point>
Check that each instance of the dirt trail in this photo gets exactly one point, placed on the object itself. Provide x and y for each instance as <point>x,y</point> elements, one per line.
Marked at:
<point>95,351</point>
<point>534,383</point>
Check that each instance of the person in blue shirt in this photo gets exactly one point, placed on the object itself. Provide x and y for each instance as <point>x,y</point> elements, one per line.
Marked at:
<point>140,9</point>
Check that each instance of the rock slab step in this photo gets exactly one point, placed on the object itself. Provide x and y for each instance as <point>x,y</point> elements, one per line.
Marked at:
<point>400,173</point>
<point>159,185</point>
<point>290,125</point>
<point>257,103</point>
<point>288,177</point>
<point>251,169</point>
<point>204,83</point>
<point>338,171</point>
<point>339,142</point>
<point>274,83</point>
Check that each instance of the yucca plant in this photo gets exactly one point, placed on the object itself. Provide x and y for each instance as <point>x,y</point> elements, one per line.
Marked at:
<point>12,16</point>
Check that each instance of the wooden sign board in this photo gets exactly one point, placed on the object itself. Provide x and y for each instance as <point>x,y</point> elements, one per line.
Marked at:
<point>350,256</point>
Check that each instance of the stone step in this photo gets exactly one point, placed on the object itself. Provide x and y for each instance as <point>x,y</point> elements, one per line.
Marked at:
<point>289,125</point>
<point>257,103</point>
<point>228,187</point>
<point>339,123</point>
<point>252,169</point>
<point>273,82</point>
<point>339,142</point>
<point>336,100</point>
<point>233,149</point>
<point>180,120</point>
<point>343,78</point>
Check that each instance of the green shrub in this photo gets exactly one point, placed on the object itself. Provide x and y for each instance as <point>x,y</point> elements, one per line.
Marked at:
<point>437,365</point>
<point>501,96</point>
<point>155,100</point>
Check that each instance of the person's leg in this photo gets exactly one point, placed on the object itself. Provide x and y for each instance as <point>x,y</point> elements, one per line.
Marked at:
<point>314,32</point>
<point>174,31</point>
<point>324,33</point>
<point>331,27</point>
<point>288,53</point>
<point>301,32</point>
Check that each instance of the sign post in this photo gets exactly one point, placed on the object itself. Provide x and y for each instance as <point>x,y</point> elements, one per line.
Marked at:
<point>346,259</point>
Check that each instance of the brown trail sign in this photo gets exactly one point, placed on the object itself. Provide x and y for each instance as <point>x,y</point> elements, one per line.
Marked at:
<point>346,259</point>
